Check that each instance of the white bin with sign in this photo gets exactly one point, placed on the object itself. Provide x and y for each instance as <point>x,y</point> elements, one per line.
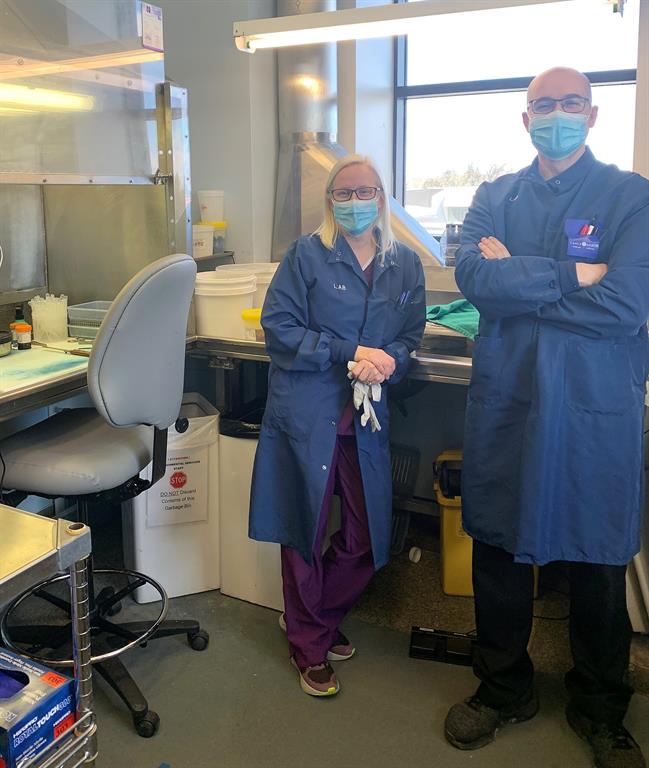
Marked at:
<point>171,532</point>
<point>250,570</point>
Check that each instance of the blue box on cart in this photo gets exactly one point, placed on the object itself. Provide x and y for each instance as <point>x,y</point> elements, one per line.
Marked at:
<point>36,706</point>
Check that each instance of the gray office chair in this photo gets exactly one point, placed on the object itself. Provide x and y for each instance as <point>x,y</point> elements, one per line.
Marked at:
<point>135,380</point>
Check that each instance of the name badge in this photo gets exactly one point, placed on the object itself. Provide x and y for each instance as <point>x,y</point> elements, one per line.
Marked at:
<point>583,238</point>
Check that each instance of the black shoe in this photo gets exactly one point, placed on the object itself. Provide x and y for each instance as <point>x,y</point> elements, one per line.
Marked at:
<point>472,724</point>
<point>613,746</point>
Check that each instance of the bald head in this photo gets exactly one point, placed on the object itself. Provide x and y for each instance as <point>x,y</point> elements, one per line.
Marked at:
<point>551,95</point>
<point>558,82</point>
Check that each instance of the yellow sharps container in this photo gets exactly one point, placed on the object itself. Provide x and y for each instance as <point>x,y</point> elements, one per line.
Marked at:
<point>456,544</point>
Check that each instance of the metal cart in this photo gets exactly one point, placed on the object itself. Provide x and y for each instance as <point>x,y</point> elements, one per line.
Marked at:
<point>36,548</point>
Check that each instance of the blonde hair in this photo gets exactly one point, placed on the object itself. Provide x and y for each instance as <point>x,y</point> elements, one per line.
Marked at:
<point>329,229</point>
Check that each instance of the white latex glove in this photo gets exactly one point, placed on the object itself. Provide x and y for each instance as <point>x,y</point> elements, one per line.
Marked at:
<point>362,395</point>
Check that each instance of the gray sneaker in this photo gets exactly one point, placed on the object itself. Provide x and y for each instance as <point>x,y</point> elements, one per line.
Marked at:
<point>613,747</point>
<point>472,724</point>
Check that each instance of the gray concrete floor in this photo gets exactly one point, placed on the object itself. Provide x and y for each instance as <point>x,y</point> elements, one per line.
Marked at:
<point>238,705</point>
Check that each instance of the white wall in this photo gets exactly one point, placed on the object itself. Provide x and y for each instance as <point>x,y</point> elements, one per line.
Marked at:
<point>232,113</point>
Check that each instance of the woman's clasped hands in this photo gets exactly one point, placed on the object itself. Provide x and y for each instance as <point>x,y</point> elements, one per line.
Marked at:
<point>373,366</point>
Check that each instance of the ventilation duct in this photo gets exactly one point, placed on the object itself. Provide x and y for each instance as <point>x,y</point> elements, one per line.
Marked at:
<point>308,123</point>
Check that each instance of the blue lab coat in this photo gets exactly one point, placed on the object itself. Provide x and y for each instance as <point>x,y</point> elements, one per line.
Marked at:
<point>318,309</point>
<point>553,436</point>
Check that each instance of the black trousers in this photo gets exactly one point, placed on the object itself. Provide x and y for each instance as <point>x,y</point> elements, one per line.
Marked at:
<point>600,634</point>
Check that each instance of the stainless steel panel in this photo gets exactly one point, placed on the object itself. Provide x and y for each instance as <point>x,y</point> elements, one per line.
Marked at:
<point>77,90</point>
<point>99,237</point>
<point>174,164</point>
<point>308,122</point>
<point>22,239</point>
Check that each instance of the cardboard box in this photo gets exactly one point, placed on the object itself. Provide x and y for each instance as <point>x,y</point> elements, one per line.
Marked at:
<point>36,706</point>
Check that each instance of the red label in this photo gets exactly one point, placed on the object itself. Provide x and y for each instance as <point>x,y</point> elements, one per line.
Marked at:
<point>51,678</point>
<point>64,725</point>
<point>178,479</point>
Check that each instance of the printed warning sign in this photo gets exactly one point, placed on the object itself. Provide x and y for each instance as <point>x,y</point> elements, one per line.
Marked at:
<point>181,495</point>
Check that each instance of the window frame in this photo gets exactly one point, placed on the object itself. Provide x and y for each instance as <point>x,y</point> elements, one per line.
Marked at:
<point>403,93</point>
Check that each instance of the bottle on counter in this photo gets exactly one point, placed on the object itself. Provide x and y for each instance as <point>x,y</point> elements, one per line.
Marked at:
<point>23,335</point>
<point>450,242</point>
<point>5,342</point>
<point>19,317</point>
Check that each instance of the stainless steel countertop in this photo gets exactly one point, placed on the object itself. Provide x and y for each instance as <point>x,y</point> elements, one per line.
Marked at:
<point>35,548</point>
<point>426,365</point>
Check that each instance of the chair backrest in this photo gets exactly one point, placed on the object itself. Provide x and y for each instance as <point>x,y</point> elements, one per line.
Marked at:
<point>136,369</point>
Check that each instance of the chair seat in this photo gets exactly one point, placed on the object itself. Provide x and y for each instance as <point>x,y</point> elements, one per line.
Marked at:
<point>74,453</point>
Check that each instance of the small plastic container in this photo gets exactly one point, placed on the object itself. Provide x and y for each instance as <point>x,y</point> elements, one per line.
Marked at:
<point>220,230</point>
<point>90,314</point>
<point>6,337</point>
<point>19,318</point>
<point>211,205</point>
<point>252,329</point>
<point>83,331</point>
<point>450,242</point>
<point>23,335</point>
<point>202,240</point>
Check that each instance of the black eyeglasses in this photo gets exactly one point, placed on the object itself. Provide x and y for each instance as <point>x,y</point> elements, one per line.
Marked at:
<point>342,195</point>
<point>572,104</point>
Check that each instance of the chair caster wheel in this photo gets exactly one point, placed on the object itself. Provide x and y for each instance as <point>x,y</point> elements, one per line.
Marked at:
<point>198,641</point>
<point>147,725</point>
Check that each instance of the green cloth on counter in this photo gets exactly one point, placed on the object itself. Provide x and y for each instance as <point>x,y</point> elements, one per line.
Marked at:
<point>460,316</point>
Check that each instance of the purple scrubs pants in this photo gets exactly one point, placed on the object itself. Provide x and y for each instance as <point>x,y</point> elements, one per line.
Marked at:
<point>318,596</point>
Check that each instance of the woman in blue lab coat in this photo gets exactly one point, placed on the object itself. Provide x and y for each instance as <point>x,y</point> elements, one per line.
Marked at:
<point>556,258</point>
<point>347,294</point>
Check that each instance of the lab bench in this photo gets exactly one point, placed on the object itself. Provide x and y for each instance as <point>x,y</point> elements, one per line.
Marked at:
<point>427,365</point>
<point>43,377</point>
<point>34,378</point>
<point>34,549</point>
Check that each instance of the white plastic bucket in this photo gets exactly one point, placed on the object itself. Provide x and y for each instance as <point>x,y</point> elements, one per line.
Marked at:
<point>202,240</point>
<point>210,202</point>
<point>264,272</point>
<point>220,299</point>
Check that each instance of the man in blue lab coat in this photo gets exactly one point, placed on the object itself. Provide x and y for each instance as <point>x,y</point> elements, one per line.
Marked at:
<point>556,258</point>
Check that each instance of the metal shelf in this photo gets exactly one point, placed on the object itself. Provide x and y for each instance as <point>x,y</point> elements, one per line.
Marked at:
<point>36,548</point>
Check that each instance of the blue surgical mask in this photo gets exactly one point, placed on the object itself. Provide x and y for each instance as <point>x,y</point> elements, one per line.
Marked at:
<point>355,216</point>
<point>558,134</point>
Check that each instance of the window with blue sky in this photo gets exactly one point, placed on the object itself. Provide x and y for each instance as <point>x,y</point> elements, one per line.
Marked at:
<point>455,140</point>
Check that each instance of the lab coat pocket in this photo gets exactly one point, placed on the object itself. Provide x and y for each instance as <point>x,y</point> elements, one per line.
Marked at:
<point>599,376</point>
<point>395,318</point>
<point>486,369</point>
<point>288,408</point>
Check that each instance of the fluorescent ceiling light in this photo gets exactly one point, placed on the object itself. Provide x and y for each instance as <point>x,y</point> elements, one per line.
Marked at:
<point>354,23</point>
<point>43,99</point>
<point>13,68</point>
<point>16,112</point>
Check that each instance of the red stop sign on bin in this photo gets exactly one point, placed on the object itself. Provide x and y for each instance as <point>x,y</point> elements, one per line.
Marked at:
<point>178,479</point>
